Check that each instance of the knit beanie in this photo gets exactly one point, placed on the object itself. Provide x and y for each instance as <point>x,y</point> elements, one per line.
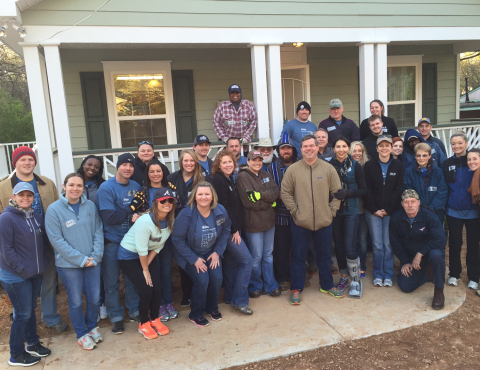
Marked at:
<point>125,158</point>
<point>20,152</point>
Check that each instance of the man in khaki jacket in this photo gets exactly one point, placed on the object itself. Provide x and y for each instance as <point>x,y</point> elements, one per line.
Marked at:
<point>24,161</point>
<point>307,188</point>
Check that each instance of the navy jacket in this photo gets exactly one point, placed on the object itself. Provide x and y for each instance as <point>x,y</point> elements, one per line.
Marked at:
<point>347,128</point>
<point>425,234</point>
<point>431,188</point>
<point>23,243</point>
<point>458,177</point>
<point>408,155</point>
<point>184,234</point>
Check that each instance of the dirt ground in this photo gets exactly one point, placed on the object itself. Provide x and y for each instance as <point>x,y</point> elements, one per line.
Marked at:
<point>451,343</point>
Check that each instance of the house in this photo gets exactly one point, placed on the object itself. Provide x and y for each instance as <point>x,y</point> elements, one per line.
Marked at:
<point>470,109</point>
<point>105,75</point>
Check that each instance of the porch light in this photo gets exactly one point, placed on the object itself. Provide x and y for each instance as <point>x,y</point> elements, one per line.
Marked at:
<point>298,44</point>
<point>22,32</point>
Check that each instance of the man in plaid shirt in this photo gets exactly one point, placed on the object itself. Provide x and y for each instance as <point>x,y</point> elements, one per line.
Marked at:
<point>235,117</point>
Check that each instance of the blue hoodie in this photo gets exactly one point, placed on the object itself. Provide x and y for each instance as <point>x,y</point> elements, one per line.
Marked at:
<point>75,237</point>
<point>408,155</point>
<point>23,243</point>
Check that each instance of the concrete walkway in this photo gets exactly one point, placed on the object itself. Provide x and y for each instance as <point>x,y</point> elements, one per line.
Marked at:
<point>276,329</point>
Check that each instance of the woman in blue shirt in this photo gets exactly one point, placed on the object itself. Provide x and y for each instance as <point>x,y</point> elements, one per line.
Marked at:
<point>200,237</point>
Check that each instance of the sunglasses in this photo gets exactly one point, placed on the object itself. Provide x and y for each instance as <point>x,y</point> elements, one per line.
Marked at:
<point>385,136</point>
<point>145,142</point>
<point>169,200</point>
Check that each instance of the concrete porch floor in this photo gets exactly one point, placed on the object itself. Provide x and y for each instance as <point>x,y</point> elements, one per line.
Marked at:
<point>276,329</point>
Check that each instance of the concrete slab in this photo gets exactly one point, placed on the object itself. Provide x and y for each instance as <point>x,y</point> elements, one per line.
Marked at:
<point>320,320</point>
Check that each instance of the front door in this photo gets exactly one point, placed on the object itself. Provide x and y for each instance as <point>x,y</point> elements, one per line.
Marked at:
<point>295,88</point>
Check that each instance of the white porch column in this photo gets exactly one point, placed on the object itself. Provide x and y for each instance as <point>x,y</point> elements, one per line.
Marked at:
<point>59,108</point>
<point>367,78</point>
<point>38,101</point>
<point>275,104</point>
<point>381,74</point>
<point>260,96</point>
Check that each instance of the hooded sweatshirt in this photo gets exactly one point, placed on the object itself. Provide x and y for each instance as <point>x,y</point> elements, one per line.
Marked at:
<point>408,155</point>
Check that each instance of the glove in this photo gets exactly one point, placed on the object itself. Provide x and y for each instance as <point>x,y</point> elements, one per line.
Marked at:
<point>274,204</point>
<point>343,193</point>
<point>243,141</point>
<point>253,196</point>
<point>137,201</point>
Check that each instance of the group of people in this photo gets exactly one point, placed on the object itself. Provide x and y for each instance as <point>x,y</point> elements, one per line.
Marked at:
<point>257,224</point>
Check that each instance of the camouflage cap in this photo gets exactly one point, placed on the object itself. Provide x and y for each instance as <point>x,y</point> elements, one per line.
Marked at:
<point>410,193</point>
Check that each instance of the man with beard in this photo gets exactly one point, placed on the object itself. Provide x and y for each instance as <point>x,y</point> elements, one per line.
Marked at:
<point>283,235</point>
<point>235,117</point>
<point>266,147</point>
<point>376,129</point>
<point>233,144</point>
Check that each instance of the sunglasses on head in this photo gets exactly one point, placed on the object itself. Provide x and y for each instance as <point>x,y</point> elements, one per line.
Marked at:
<point>169,200</point>
<point>385,136</point>
<point>145,142</point>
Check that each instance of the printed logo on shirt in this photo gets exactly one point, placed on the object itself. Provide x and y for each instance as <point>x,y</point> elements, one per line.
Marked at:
<point>221,221</point>
<point>265,180</point>
<point>69,223</point>
<point>331,128</point>
<point>231,123</point>
<point>350,169</point>
<point>155,240</point>
<point>384,129</point>
<point>319,178</point>
<point>432,188</point>
<point>423,228</point>
<point>452,168</point>
<point>433,151</point>
<point>393,173</point>
<point>131,193</point>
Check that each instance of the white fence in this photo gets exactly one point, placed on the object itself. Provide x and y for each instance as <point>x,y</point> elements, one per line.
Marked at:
<point>6,151</point>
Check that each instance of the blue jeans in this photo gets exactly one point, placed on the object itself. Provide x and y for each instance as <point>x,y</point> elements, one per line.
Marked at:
<point>111,281</point>
<point>24,301</point>
<point>322,239</point>
<point>48,295</point>
<point>165,259</point>
<point>79,281</point>
<point>362,236</point>
<point>345,237</point>
<point>236,278</point>
<point>436,259</point>
<point>383,256</point>
<point>206,288</point>
<point>261,248</point>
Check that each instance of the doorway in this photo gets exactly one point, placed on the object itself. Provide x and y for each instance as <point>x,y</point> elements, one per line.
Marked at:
<point>295,88</point>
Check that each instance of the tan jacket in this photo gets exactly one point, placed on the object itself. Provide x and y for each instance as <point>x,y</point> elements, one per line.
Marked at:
<point>46,188</point>
<point>306,190</point>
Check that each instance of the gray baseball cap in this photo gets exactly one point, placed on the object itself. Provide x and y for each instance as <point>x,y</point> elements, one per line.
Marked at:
<point>23,186</point>
<point>335,103</point>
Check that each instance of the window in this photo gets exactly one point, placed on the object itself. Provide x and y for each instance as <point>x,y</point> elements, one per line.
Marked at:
<point>404,89</point>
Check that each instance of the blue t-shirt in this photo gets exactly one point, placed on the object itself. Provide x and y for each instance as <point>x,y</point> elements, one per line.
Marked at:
<point>411,220</point>
<point>151,192</point>
<point>115,196</point>
<point>297,130</point>
<point>37,201</point>
<point>205,165</point>
<point>338,122</point>
<point>384,168</point>
<point>75,207</point>
<point>240,162</point>
<point>205,234</point>
<point>10,278</point>
<point>89,183</point>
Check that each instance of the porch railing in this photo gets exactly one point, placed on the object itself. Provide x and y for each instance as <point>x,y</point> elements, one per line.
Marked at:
<point>6,151</point>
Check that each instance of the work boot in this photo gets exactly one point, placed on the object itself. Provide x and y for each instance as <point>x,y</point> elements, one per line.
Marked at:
<point>438,299</point>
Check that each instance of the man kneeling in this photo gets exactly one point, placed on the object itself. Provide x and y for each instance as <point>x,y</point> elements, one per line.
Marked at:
<point>418,241</point>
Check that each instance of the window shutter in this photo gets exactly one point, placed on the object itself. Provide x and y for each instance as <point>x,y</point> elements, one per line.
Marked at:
<point>184,100</point>
<point>429,94</point>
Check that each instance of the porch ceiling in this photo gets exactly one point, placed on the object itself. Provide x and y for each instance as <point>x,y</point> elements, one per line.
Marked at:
<point>150,46</point>
<point>25,4</point>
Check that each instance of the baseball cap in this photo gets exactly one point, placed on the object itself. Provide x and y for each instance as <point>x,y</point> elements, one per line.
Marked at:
<point>254,154</point>
<point>234,88</point>
<point>164,193</point>
<point>425,119</point>
<point>384,138</point>
<point>335,103</point>
<point>23,186</point>
<point>200,139</point>
<point>410,193</point>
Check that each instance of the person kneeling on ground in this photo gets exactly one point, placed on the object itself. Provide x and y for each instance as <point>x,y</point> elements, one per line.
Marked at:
<point>418,241</point>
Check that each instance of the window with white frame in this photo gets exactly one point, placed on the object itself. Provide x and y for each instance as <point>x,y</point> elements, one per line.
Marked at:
<point>404,89</point>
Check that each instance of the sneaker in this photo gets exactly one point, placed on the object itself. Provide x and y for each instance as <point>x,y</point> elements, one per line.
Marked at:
<point>202,321</point>
<point>103,312</point>
<point>275,293</point>
<point>38,350</point>
<point>86,342</point>
<point>333,270</point>
<point>135,319</point>
<point>452,281</point>
<point>172,312</point>
<point>216,316</point>
<point>185,303</point>
<point>117,327</point>
<point>295,297</point>
<point>59,327</point>
<point>96,336</point>
<point>388,282</point>
<point>147,331</point>
<point>334,292</point>
<point>159,327</point>
<point>243,309</point>
<point>378,282</point>
<point>362,274</point>
<point>254,294</point>
<point>343,284</point>
<point>284,285</point>
<point>472,285</point>
<point>24,359</point>
<point>163,314</point>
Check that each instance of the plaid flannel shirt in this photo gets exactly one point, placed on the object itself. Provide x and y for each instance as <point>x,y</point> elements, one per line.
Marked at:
<point>228,122</point>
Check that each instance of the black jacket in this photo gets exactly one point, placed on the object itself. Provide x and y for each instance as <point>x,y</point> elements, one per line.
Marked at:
<point>426,233</point>
<point>383,195</point>
<point>176,182</point>
<point>389,127</point>
<point>228,197</point>
<point>370,143</point>
<point>140,168</point>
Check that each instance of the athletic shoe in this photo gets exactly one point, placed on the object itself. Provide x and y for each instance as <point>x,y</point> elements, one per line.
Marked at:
<point>452,281</point>
<point>275,293</point>
<point>185,303</point>
<point>38,350</point>
<point>295,297</point>
<point>378,282</point>
<point>243,309</point>
<point>135,319</point>
<point>362,274</point>
<point>86,342</point>
<point>24,359</point>
<point>388,282</point>
<point>117,327</point>
<point>254,294</point>
<point>147,331</point>
<point>343,284</point>
<point>96,336</point>
<point>59,327</point>
<point>284,285</point>
<point>103,312</point>
<point>172,312</point>
<point>216,316</point>
<point>472,285</point>
<point>333,269</point>
<point>202,321</point>
<point>159,327</point>
<point>163,314</point>
<point>334,292</point>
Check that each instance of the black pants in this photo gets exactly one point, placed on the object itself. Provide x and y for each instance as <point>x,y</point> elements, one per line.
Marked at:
<point>455,241</point>
<point>187,285</point>
<point>282,247</point>
<point>150,297</point>
<point>436,259</point>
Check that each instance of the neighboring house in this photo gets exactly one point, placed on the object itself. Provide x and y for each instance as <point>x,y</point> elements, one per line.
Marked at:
<point>111,74</point>
<point>470,109</point>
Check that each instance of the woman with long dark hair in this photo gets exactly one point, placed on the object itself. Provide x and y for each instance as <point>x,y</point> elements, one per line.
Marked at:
<point>389,125</point>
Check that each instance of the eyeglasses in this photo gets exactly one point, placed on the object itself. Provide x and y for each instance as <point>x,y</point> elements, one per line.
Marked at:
<point>145,142</point>
<point>169,200</point>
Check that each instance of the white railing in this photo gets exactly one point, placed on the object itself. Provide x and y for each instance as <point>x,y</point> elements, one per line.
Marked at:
<point>6,151</point>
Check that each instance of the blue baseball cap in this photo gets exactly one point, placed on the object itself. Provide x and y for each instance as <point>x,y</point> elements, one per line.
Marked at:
<point>425,119</point>
<point>23,186</point>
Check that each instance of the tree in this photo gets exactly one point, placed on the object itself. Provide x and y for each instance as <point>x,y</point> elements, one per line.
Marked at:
<point>16,123</point>
<point>469,68</point>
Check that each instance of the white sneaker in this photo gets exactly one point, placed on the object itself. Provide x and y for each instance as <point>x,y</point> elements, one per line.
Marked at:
<point>388,282</point>
<point>103,312</point>
<point>452,281</point>
<point>377,282</point>
<point>472,285</point>
<point>86,342</point>
<point>96,336</point>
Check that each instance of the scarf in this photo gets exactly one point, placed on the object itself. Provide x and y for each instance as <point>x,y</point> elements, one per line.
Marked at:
<point>342,169</point>
<point>474,188</point>
<point>28,212</point>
